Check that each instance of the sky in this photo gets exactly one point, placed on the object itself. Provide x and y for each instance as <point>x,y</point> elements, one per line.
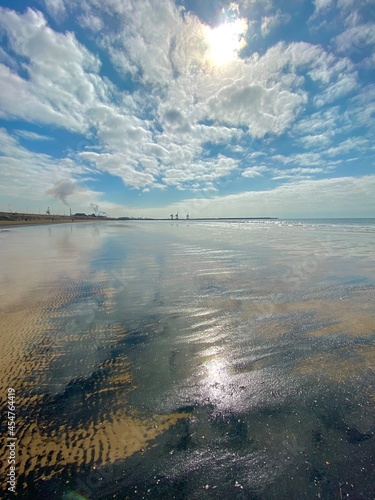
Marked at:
<point>255,108</point>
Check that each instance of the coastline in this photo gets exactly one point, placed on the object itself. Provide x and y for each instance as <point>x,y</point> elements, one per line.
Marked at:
<point>12,219</point>
<point>9,220</point>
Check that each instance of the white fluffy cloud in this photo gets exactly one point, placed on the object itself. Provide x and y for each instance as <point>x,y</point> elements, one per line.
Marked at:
<point>62,82</point>
<point>264,94</point>
<point>261,109</point>
<point>116,164</point>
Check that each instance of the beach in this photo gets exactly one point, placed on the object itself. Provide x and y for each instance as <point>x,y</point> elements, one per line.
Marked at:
<point>191,359</point>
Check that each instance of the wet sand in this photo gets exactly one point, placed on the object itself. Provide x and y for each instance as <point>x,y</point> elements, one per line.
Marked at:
<point>85,422</point>
<point>50,439</point>
<point>187,359</point>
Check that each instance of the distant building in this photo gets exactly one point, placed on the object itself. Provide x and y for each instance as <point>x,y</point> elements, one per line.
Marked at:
<point>79,214</point>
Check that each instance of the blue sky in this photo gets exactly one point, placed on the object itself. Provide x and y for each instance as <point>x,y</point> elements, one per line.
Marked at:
<point>253,108</point>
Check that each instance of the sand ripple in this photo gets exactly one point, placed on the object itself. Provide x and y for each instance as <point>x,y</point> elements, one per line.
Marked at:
<point>86,424</point>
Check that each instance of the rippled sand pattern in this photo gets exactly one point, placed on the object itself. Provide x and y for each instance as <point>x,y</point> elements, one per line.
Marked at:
<point>71,410</point>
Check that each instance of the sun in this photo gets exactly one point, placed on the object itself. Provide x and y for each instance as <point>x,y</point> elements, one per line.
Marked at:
<point>225,41</point>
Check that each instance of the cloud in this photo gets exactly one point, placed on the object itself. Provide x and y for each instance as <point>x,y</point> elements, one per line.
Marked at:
<point>7,60</point>
<point>144,46</point>
<point>361,109</point>
<point>202,174</point>
<point>266,94</point>
<point>116,164</point>
<point>261,109</point>
<point>358,37</point>
<point>61,83</point>
<point>342,87</point>
<point>91,22</point>
<point>251,95</point>
<point>358,42</point>
<point>255,171</point>
<point>297,173</point>
<point>369,62</point>
<point>317,141</point>
<point>304,159</point>
<point>119,129</point>
<point>323,123</point>
<point>270,22</point>
<point>357,144</point>
<point>56,9</point>
<point>33,136</point>
<point>323,5</point>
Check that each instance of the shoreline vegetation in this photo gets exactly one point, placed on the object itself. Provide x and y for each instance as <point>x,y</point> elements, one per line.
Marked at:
<point>11,219</point>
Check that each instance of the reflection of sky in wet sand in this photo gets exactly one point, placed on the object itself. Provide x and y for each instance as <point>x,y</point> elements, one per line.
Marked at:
<point>59,352</point>
<point>265,332</point>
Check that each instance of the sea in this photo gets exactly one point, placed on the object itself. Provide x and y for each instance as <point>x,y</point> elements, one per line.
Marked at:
<point>189,359</point>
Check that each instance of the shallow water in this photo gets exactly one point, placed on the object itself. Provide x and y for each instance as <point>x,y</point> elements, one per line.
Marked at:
<point>191,359</point>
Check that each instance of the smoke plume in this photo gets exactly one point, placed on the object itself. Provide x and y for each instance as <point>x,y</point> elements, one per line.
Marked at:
<point>97,210</point>
<point>63,189</point>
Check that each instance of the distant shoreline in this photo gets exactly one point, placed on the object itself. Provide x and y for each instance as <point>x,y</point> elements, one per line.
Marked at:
<point>196,219</point>
<point>8,219</point>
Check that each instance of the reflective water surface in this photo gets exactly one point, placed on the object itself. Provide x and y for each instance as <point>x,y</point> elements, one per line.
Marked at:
<point>230,359</point>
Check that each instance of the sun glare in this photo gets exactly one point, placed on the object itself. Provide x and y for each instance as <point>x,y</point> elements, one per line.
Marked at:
<point>225,41</point>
